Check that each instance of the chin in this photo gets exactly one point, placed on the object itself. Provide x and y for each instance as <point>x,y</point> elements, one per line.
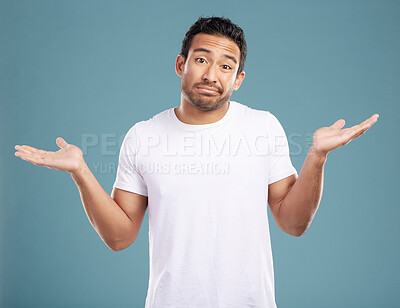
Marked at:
<point>208,106</point>
<point>204,101</point>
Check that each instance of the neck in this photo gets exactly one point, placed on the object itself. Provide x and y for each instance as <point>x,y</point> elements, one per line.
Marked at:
<point>188,114</point>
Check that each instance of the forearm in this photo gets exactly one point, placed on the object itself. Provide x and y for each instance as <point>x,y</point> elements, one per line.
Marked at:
<point>298,208</point>
<point>107,218</point>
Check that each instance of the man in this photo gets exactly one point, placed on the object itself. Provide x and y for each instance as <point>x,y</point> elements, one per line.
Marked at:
<point>205,170</point>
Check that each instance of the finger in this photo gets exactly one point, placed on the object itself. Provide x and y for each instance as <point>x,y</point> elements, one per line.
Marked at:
<point>22,156</point>
<point>36,161</point>
<point>366,123</point>
<point>61,142</point>
<point>371,121</point>
<point>31,158</point>
<point>22,149</point>
<point>338,124</point>
<point>28,149</point>
<point>359,134</point>
<point>35,156</point>
<point>358,130</point>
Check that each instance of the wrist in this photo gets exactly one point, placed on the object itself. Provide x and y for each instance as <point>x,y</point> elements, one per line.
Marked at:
<point>80,170</point>
<point>319,155</point>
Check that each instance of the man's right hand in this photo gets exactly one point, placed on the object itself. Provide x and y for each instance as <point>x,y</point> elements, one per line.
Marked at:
<point>69,158</point>
<point>117,218</point>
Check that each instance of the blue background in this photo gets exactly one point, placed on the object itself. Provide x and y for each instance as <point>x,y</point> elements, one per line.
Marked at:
<point>94,68</point>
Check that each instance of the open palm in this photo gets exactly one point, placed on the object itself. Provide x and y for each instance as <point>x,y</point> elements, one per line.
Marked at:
<point>329,138</point>
<point>69,158</point>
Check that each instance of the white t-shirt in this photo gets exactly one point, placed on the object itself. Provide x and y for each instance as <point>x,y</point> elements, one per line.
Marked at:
<point>207,188</point>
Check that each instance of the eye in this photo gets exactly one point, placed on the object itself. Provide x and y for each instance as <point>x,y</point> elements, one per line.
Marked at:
<point>200,60</point>
<point>226,67</point>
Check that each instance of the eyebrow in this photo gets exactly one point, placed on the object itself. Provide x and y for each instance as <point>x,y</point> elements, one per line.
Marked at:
<point>201,49</point>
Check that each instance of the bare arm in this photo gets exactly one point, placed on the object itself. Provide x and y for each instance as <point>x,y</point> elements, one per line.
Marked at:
<point>116,219</point>
<point>294,201</point>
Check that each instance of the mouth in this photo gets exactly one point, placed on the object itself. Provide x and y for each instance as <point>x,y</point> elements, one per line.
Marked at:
<point>207,90</point>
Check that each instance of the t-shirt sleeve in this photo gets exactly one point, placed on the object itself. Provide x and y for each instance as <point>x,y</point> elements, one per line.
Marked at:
<point>280,165</point>
<point>128,176</point>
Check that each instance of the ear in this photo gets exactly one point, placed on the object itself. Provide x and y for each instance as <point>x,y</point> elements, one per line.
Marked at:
<point>239,80</point>
<point>179,63</point>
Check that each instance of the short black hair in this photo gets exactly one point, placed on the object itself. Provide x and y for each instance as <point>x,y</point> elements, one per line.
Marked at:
<point>217,26</point>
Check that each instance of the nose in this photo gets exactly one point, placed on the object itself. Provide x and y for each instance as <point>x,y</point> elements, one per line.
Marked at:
<point>210,74</point>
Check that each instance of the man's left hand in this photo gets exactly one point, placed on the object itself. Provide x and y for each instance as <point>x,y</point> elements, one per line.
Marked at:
<point>329,138</point>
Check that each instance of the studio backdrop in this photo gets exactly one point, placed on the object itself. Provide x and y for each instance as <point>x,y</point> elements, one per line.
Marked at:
<point>87,71</point>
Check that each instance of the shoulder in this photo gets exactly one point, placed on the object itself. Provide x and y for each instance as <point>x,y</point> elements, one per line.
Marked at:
<point>260,120</point>
<point>256,115</point>
<point>151,125</point>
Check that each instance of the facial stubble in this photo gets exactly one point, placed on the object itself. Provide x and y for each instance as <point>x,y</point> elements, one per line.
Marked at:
<point>204,101</point>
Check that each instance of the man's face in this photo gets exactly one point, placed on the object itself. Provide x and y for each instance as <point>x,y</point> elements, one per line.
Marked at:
<point>209,74</point>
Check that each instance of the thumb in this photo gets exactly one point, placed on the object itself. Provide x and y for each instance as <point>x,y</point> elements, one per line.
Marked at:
<point>61,142</point>
<point>338,124</point>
